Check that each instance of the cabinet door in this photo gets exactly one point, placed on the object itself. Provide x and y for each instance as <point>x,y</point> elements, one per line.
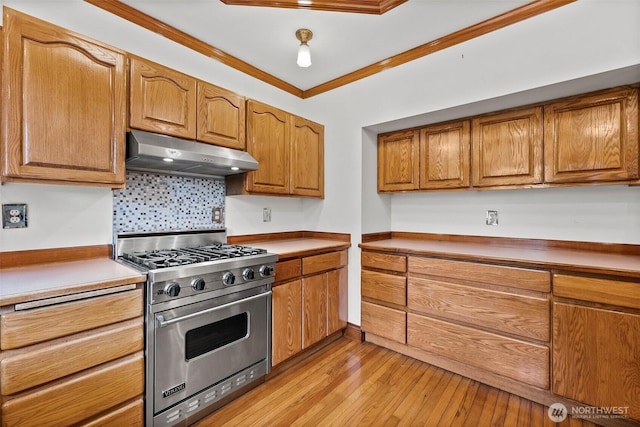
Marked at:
<point>307,158</point>
<point>64,105</point>
<point>162,100</point>
<point>314,314</point>
<point>286,302</point>
<point>221,116</point>
<point>592,138</point>
<point>398,161</point>
<point>507,148</point>
<point>595,356</point>
<point>444,155</point>
<point>268,141</point>
<point>336,300</point>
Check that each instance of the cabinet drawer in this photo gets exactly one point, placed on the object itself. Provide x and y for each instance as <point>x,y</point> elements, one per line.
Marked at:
<point>502,311</point>
<point>385,322</point>
<point>384,261</point>
<point>131,414</point>
<point>624,294</point>
<point>317,263</point>
<point>512,358</point>
<point>286,270</point>
<point>384,287</point>
<point>78,398</point>
<point>26,368</point>
<point>21,328</point>
<point>513,277</point>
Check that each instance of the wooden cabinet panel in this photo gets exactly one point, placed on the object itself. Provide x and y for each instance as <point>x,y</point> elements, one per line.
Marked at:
<point>507,148</point>
<point>384,321</point>
<point>307,158</point>
<point>509,357</point>
<point>314,313</point>
<point>336,300</point>
<point>221,116</point>
<point>592,138</point>
<point>20,370</point>
<point>501,311</point>
<point>398,161</point>
<point>316,263</point>
<point>384,261</point>
<point>21,328</point>
<point>595,356</point>
<point>131,414</point>
<point>64,105</point>
<point>605,291</point>
<point>286,270</point>
<point>514,277</point>
<point>385,287</point>
<point>269,142</point>
<point>287,321</point>
<point>444,155</point>
<point>162,100</point>
<point>78,397</point>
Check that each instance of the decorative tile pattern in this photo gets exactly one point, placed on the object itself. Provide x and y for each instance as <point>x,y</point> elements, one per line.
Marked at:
<point>152,202</point>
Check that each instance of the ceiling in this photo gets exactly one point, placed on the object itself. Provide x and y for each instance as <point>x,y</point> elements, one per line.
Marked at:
<point>345,46</point>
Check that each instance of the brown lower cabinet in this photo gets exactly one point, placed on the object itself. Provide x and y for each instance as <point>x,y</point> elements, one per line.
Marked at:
<point>545,335</point>
<point>309,302</point>
<point>74,363</point>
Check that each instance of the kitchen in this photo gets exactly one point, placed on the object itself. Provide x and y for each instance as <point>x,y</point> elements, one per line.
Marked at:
<point>68,216</point>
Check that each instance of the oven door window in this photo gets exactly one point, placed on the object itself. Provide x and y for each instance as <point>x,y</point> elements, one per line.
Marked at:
<point>216,335</point>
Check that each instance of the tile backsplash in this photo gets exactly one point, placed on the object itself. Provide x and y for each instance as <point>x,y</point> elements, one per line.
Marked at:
<point>152,202</point>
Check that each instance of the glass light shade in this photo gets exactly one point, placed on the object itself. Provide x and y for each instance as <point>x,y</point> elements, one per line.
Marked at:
<point>304,55</point>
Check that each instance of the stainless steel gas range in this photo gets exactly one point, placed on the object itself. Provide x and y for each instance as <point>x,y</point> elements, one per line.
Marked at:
<point>208,320</point>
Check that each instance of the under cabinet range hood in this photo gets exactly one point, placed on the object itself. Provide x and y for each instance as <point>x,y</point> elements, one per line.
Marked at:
<point>152,152</point>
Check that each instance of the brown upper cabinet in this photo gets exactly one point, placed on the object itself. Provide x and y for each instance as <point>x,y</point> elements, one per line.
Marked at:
<point>507,148</point>
<point>77,135</point>
<point>592,138</point>
<point>169,102</point>
<point>433,157</point>
<point>290,153</point>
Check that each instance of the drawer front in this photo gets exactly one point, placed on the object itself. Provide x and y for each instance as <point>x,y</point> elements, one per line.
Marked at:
<point>505,312</point>
<point>384,261</point>
<point>385,322</point>
<point>384,287</point>
<point>512,277</point>
<point>78,398</point>
<point>512,358</point>
<point>624,294</point>
<point>34,366</point>
<point>21,328</point>
<point>324,262</point>
<point>131,414</point>
<point>287,270</point>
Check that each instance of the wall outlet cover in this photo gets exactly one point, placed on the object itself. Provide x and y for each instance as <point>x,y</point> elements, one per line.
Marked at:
<point>491,218</point>
<point>14,215</point>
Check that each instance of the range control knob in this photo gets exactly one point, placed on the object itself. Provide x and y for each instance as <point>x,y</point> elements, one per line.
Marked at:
<point>228,278</point>
<point>198,284</point>
<point>172,289</point>
<point>266,270</point>
<point>248,274</point>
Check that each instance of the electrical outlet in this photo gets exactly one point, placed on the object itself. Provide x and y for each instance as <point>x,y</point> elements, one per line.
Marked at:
<point>14,215</point>
<point>266,214</point>
<point>492,218</point>
<point>217,215</point>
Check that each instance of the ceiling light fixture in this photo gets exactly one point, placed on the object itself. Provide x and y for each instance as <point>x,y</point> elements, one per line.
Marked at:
<point>304,54</point>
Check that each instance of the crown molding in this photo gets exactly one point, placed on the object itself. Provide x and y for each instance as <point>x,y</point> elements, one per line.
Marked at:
<point>375,7</point>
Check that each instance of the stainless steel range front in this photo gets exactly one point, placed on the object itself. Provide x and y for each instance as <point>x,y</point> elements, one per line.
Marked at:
<point>208,320</point>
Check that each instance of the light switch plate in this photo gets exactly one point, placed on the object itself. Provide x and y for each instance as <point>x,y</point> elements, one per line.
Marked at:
<point>266,214</point>
<point>491,218</point>
<point>14,215</point>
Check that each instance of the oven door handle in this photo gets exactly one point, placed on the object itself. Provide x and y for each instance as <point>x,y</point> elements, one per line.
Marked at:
<point>163,323</point>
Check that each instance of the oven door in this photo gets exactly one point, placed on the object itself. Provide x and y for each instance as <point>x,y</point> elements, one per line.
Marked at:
<point>200,344</point>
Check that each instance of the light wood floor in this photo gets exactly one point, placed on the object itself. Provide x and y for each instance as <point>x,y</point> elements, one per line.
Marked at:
<point>359,384</point>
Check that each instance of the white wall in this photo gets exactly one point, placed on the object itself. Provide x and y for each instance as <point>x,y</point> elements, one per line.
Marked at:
<point>581,39</point>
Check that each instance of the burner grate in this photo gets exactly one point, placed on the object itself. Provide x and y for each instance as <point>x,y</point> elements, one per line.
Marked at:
<point>184,256</point>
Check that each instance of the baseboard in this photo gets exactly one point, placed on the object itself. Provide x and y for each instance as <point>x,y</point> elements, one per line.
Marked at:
<point>354,332</point>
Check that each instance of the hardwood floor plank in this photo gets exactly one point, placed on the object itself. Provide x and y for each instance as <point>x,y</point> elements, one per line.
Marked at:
<point>487,409</point>
<point>473,415</point>
<point>500,410</point>
<point>513,410</point>
<point>462,410</point>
